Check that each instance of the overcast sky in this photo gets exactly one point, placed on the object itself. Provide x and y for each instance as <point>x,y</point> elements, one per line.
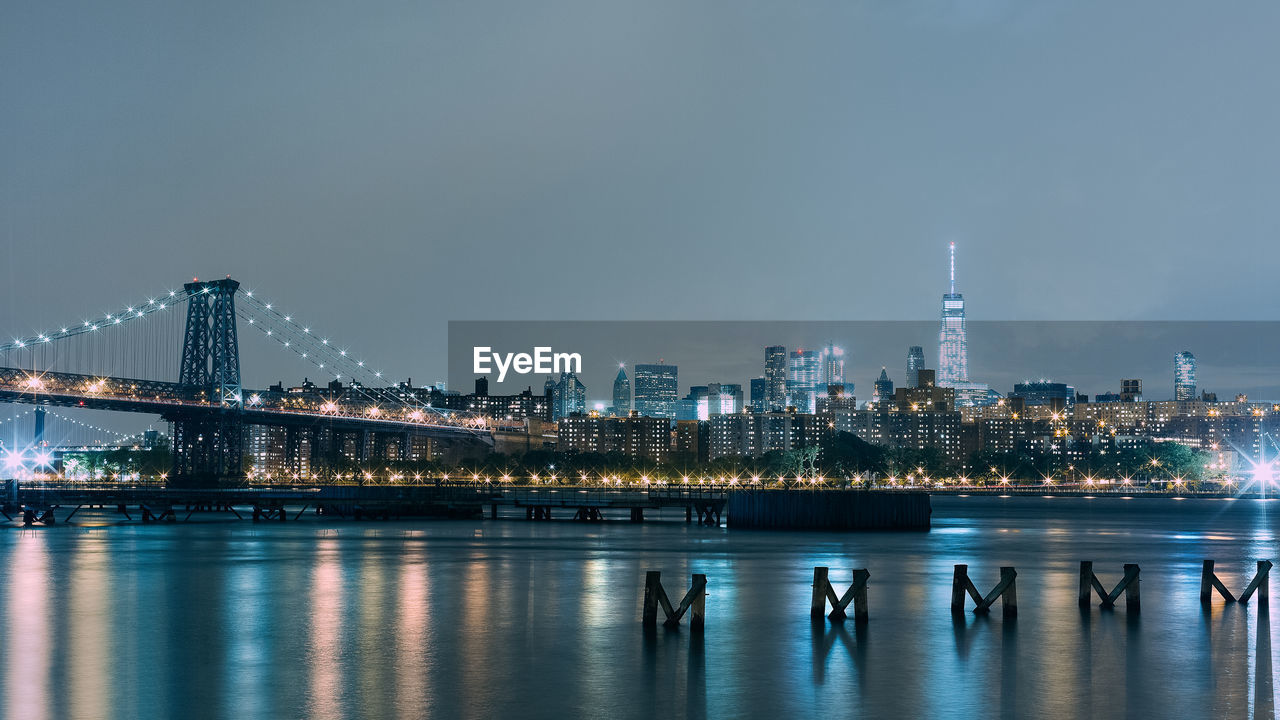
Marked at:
<point>380,168</point>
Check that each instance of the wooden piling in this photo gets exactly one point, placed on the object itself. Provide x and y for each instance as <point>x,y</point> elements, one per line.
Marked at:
<point>1129,585</point>
<point>959,581</point>
<point>1258,584</point>
<point>694,600</point>
<point>652,586</point>
<point>1209,582</point>
<point>855,595</point>
<point>818,608</point>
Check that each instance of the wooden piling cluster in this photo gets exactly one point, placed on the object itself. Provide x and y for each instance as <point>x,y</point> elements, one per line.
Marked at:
<point>1209,582</point>
<point>1130,585</point>
<point>828,509</point>
<point>962,587</point>
<point>655,596</point>
<point>823,591</point>
<point>1006,590</point>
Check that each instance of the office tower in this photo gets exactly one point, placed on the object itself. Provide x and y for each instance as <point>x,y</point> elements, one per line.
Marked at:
<point>656,390</point>
<point>1130,390</point>
<point>621,393</point>
<point>915,363</point>
<point>723,399</point>
<point>802,380</point>
<point>693,406</point>
<point>775,377</point>
<point>759,394</point>
<point>953,345</point>
<point>1184,376</point>
<point>573,395</point>
<point>832,366</point>
<point>883,388</point>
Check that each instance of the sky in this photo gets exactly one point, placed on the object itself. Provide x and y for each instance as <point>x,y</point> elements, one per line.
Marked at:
<point>382,168</point>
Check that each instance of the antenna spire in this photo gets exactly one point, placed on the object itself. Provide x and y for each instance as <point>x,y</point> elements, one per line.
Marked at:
<point>953,268</point>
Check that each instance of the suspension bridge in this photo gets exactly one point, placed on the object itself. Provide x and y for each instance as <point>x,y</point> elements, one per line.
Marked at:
<point>125,361</point>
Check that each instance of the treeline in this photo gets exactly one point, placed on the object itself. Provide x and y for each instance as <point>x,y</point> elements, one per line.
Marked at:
<point>843,457</point>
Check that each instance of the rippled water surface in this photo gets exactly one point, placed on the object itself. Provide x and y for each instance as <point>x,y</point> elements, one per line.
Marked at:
<point>510,618</point>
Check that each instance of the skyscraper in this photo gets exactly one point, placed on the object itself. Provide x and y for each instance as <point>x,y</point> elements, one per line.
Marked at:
<point>759,395</point>
<point>1184,376</point>
<point>802,382</point>
<point>953,345</point>
<point>775,377</point>
<point>622,393</point>
<point>832,365</point>
<point>657,390</point>
<point>915,363</point>
<point>568,396</point>
<point>883,388</point>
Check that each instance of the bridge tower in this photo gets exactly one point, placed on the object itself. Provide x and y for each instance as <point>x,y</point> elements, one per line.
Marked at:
<point>207,448</point>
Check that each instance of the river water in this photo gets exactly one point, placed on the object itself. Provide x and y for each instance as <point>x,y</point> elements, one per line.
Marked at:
<point>515,619</point>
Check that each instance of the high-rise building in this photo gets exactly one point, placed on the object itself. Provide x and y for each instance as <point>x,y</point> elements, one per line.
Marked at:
<point>802,381</point>
<point>775,377</point>
<point>831,360</point>
<point>622,393</point>
<point>657,390</point>
<point>568,396</point>
<point>883,388</point>
<point>915,363</point>
<point>723,399</point>
<point>953,345</point>
<point>759,394</point>
<point>1184,376</point>
<point>1131,390</point>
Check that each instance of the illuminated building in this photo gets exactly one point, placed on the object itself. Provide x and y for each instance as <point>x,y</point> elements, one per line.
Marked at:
<point>953,345</point>
<point>621,393</point>
<point>638,437</point>
<point>802,381</point>
<point>1043,392</point>
<point>831,363</point>
<point>1184,376</point>
<point>915,363</point>
<point>1131,390</point>
<point>883,388</point>
<point>657,390</point>
<point>775,377</point>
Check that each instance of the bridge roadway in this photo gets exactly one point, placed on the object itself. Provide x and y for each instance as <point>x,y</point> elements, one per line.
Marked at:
<point>171,400</point>
<point>58,502</point>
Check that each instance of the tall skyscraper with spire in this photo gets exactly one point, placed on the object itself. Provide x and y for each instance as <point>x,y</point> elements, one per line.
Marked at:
<point>953,345</point>
<point>621,393</point>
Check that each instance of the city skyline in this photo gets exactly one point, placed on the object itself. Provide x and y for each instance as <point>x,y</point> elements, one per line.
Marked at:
<point>1093,357</point>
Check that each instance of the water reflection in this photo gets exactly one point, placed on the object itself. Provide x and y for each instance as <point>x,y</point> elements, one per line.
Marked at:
<point>455,619</point>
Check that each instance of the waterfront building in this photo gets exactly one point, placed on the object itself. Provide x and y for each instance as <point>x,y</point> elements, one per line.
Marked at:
<point>656,390</point>
<point>637,437</point>
<point>1184,376</point>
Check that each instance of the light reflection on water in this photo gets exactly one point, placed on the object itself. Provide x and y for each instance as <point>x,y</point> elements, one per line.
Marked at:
<point>512,618</point>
